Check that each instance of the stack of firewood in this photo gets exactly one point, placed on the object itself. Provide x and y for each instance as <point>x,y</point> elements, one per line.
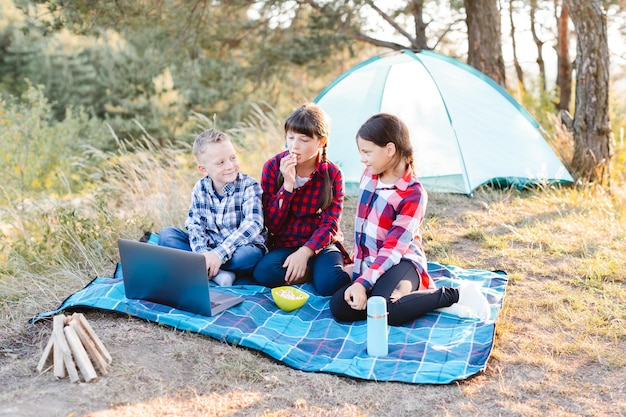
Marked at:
<point>74,347</point>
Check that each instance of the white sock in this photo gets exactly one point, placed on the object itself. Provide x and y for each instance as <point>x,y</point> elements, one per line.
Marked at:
<point>459,310</point>
<point>471,296</point>
<point>224,278</point>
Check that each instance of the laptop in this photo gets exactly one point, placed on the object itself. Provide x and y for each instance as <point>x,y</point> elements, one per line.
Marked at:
<point>171,277</point>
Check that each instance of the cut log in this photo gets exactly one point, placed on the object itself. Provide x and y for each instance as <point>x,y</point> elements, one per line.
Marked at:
<point>74,347</point>
<point>47,353</point>
<point>90,347</point>
<point>58,322</point>
<point>93,336</point>
<point>80,355</point>
<point>60,344</point>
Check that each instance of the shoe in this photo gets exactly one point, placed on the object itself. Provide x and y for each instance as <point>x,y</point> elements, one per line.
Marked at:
<point>146,237</point>
<point>149,237</point>
<point>224,278</point>
<point>471,296</point>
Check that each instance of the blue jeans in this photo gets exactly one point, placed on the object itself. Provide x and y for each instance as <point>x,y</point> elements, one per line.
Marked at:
<point>242,262</point>
<point>326,267</point>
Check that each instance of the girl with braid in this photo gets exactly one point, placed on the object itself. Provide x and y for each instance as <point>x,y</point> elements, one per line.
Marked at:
<point>389,259</point>
<point>302,204</point>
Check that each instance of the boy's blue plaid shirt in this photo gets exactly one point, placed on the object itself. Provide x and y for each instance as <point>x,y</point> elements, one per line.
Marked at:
<point>223,225</point>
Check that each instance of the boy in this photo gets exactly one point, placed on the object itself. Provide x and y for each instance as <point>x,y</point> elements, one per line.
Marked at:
<point>225,221</point>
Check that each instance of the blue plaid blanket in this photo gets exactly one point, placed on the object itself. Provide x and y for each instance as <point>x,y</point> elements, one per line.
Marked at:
<point>437,348</point>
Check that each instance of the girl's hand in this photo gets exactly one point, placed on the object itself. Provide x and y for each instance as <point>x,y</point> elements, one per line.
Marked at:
<point>296,265</point>
<point>213,263</point>
<point>288,169</point>
<point>356,296</point>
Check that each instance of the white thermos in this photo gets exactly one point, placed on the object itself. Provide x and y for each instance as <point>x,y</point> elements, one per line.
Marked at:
<point>377,326</point>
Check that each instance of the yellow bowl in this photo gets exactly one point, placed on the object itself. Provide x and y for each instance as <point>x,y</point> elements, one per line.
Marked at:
<point>289,298</point>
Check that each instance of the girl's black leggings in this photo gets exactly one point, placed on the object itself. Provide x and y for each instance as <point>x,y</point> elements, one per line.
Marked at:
<point>399,286</point>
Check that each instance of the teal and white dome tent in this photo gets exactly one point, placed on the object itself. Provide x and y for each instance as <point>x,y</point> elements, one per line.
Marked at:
<point>466,130</point>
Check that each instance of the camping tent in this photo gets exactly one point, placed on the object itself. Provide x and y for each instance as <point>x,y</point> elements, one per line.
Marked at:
<point>466,130</point>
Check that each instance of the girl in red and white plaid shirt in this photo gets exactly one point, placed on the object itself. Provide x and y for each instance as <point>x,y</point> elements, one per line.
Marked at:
<point>302,202</point>
<point>389,259</point>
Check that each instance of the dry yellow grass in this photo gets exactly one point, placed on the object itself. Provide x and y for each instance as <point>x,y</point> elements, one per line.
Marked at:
<point>560,346</point>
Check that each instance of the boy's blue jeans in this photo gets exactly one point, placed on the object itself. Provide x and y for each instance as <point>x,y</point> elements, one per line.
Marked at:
<point>242,262</point>
<point>326,266</point>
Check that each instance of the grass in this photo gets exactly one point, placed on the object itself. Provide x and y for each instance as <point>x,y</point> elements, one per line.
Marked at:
<point>560,339</point>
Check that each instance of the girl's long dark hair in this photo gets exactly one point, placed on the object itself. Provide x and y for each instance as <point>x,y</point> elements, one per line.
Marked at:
<point>384,128</point>
<point>310,120</point>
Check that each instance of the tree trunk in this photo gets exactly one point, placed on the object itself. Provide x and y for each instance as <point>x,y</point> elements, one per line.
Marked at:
<point>564,73</point>
<point>417,10</point>
<point>484,44</point>
<point>590,126</point>
<point>518,67</point>
<point>417,42</point>
<point>538,44</point>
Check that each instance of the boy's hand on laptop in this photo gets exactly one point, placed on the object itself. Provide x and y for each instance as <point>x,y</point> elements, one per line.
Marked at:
<point>213,263</point>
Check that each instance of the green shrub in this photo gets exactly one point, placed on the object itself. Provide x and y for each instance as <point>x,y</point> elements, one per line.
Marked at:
<point>39,152</point>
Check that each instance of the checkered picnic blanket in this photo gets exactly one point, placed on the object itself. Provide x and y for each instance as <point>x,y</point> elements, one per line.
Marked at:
<point>437,348</point>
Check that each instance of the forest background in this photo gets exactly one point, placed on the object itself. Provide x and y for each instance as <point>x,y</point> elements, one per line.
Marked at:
<point>100,101</point>
<point>158,66</point>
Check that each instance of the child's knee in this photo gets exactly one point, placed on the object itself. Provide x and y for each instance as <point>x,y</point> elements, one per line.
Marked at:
<point>170,236</point>
<point>329,282</point>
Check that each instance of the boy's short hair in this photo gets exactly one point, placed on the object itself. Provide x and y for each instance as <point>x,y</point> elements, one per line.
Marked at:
<point>206,137</point>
